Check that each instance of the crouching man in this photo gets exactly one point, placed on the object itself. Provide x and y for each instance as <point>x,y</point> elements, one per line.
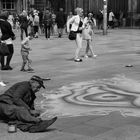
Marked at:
<point>17,105</point>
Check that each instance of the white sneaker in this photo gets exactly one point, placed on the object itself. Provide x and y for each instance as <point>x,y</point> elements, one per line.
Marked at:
<point>94,55</point>
<point>86,56</point>
<point>2,84</point>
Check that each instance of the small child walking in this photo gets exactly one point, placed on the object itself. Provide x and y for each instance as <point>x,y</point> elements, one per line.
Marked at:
<point>88,33</point>
<point>25,48</point>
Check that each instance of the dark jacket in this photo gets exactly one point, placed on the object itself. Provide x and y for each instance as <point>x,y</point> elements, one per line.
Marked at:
<point>47,19</point>
<point>6,30</point>
<point>60,19</point>
<point>24,22</point>
<point>19,94</point>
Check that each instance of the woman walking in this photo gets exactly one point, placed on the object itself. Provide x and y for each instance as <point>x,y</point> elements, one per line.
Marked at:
<point>88,25</point>
<point>77,23</point>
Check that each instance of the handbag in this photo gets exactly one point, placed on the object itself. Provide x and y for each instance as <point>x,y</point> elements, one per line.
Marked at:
<point>4,49</point>
<point>72,35</point>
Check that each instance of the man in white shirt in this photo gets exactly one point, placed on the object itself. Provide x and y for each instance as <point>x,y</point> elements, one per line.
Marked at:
<point>111,18</point>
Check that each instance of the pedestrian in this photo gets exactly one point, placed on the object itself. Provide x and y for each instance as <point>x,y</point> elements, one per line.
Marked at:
<point>111,19</point>
<point>17,105</point>
<point>61,21</point>
<point>23,21</point>
<point>77,23</point>
<point>53,27</point>
<point>25,48</point>
<point>30,24</point>
<point>47,20</point>
<point>100,19</point>
<point>7,37</point>
<point>36,24</point>
<point>88,26</point>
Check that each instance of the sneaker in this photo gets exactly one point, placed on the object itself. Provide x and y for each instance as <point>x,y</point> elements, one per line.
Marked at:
<point>2,84</point>
<point>78,60</point>
<point>94,56</point>
<point>86,56</point>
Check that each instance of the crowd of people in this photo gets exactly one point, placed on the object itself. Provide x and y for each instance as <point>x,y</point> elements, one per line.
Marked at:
<point>17,103</point>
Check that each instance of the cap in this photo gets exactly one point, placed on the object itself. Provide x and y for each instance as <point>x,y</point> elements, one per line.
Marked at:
<point>38,79</point>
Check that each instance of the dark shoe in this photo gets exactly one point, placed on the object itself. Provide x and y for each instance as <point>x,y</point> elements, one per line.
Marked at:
<point>23,70</point>
<point>78,60</point>
<point>4,68</point>
<point>59,35</point>
<point>30,69</point>
<point>9,67</point>
<point>42,126</point>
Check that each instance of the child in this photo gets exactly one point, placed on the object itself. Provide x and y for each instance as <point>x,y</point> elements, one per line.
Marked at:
<point>88,33</point>
<point>25,48</point>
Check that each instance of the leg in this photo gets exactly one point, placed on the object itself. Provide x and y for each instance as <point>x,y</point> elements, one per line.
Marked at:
<point>21,34</point>
<point>49,31</point>
<point>2,62</point>
<point>24,58</point>
<point>29,64</point>
<point>61,31</point>
<point>12,113</point>
<point>46,32</point>
<point>9,57</point>
<point>79,45</point>
<point>26,32</point>
<point>91,49</point>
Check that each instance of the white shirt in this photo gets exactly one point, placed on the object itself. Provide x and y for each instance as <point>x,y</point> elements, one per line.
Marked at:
<point>111,15</point>
<point>75,20</point>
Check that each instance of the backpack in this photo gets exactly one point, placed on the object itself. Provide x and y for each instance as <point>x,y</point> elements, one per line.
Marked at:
<point>36,20</point>
<point>47,19</point>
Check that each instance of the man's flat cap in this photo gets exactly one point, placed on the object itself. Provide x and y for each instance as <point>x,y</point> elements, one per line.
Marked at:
<point>38,79</point>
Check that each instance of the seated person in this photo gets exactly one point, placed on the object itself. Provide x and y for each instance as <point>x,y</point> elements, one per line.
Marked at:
<point>17,105</point>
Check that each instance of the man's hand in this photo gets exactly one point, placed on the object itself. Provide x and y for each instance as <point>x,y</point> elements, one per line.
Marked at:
<point>35,113</point>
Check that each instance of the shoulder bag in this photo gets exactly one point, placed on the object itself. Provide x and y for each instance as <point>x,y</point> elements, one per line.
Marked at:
<point>4,49</point>
<point>72,35</point>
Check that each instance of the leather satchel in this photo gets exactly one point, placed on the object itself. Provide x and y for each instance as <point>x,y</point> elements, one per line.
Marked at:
<point>72,35</point>
<point>4,51</point>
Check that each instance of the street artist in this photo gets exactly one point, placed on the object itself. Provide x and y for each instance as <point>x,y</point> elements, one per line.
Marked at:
<point>17,105</point>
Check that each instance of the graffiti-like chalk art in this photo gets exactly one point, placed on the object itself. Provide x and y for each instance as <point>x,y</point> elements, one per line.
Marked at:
<point>96,97</point>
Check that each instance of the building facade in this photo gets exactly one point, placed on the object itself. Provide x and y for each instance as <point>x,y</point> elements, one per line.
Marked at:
<point>131,8</point>
<point>15,6</point>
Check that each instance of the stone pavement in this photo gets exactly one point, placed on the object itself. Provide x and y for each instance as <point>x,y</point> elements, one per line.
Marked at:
<point>111,115</point>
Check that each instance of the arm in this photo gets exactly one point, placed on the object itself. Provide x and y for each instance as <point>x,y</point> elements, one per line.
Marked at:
<point>18,94</point>
<point>71,20</point>
<point>84,23</point>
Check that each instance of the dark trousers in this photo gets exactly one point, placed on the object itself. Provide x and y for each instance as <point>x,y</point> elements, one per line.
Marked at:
<point>47,31</point>
<point>9,57</point>
<point>13,113</point>
<point>22,31</point>
<point>36,28</point>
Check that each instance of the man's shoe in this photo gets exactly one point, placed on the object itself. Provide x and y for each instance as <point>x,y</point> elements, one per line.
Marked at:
<point>30,69</point>
<point>23,70</point>
<point>9,67</point>
<point>42,126</point>
<point>78,60</point>
<point>4,68</point>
